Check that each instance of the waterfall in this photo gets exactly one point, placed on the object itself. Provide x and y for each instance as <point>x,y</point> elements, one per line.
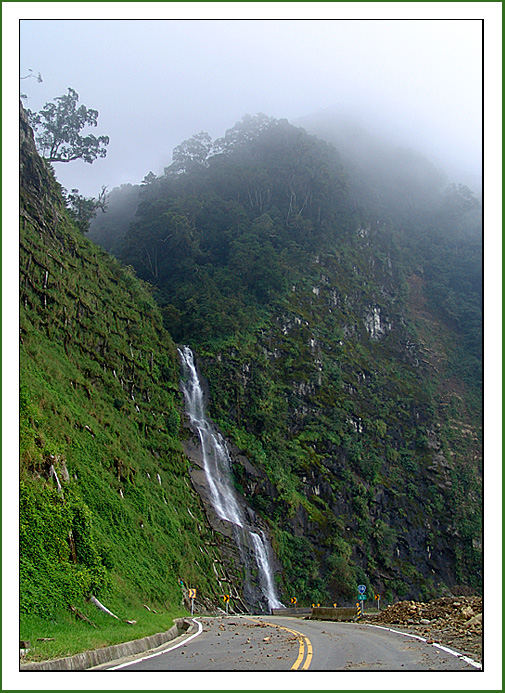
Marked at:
<point>267,584</point>
<point>217,468</point>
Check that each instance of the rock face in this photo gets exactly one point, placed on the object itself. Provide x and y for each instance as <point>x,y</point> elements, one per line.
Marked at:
<point>238,560</point>
<point>333,391</point>
<point>245,541</point>
<point>376,325</point>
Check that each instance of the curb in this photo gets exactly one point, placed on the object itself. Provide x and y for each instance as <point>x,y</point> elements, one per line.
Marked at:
<point>92,658</point>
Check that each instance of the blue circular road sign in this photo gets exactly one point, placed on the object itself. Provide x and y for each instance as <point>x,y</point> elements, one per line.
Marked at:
<point>362,589</point>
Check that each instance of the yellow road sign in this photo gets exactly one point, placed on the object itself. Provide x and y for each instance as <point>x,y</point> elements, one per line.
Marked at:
<point>192,593</point>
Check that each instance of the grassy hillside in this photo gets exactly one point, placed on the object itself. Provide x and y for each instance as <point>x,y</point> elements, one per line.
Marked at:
<point>106,504</point>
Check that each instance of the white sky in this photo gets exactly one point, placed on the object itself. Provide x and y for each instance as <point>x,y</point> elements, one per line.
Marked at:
<point>157,82</point>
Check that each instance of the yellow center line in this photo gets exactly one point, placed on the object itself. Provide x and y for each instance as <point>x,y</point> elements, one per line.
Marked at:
<point>302,640</point>
<point>309,653</point>
<point>301,650</point>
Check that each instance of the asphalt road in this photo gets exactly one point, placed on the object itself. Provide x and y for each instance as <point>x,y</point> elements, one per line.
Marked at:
<point>274,643</point>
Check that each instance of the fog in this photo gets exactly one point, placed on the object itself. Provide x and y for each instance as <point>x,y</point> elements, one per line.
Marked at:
<point>157,82</point>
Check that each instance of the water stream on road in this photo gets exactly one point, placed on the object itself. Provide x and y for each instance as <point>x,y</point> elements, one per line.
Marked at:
<point>217,468</point>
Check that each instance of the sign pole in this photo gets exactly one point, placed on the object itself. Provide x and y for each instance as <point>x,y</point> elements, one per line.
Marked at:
<point>192,602</point>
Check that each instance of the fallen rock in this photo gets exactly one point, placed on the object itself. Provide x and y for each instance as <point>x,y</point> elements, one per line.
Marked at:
<point>441,611</point>
<point>476,620</point>
<point>444,620</point>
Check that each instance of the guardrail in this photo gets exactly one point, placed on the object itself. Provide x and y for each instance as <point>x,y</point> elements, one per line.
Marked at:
<point>292,611</point>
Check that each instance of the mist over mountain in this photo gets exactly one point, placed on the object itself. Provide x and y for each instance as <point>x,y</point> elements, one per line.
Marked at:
<point>395,187</point>
<point>381,140</point>
<point>416,82</point>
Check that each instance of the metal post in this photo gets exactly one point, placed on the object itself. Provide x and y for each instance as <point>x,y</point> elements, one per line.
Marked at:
<point>227,606</point>
<point>192,602</point>
<point>379,604</point>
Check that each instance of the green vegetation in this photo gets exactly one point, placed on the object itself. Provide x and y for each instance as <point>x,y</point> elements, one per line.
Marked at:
<point>332,332</point>
<point>106,507</point>
<point>68,635</point>
<point>59,124</point>
<point>83,209</point>
<point>218,237</point>
<point>341,349</point>
<point>109,229</point>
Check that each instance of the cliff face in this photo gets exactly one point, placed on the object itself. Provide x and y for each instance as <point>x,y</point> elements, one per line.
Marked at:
<point>371,460</point>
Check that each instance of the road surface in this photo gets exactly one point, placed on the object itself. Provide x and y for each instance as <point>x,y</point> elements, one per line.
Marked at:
<point>275,643</point>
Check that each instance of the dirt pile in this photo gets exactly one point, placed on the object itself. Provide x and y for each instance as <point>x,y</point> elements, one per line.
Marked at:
<point>460,613</point>
<point>454,621</point>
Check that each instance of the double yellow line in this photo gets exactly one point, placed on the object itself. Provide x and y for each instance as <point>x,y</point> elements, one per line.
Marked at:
<point>304,647</point>
<point>303,642</point>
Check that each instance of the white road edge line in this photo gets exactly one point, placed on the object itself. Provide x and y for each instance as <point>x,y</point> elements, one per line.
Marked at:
<point>157,654</point>
<point>466,659</point>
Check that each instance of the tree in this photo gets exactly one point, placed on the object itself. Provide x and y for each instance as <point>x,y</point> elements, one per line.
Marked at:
<point>148,178</point>
<point>60,125</point>
<point>83,209</point>
<point>191,154</point>
<point>244,132</point>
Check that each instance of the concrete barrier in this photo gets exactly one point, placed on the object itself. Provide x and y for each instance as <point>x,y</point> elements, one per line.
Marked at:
<point>92,658</point>
<point>339,613</point>
<point>292,611</point>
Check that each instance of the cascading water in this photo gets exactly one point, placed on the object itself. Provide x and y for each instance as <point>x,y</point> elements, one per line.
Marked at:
<point>217,468</point>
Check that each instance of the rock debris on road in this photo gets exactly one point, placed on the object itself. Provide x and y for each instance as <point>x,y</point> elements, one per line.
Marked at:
<point>452,621</point>
<point>266,644</point>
